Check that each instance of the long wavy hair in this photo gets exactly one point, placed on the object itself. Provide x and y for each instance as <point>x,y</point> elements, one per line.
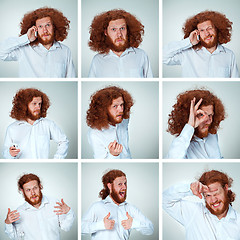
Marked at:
<point>221,23</point>
<point>109,177</point>
<point>25,178</point>
<point>59,21</point>
<point>97,114</point>
<point>21,100</point>
<point>180,112</point>
<point>98,43</point>
<point>217,176</point>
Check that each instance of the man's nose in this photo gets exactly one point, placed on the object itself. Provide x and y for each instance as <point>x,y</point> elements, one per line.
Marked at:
<point>119,33</point>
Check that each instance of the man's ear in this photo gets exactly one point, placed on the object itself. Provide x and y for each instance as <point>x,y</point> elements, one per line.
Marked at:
<point>226,187</point>
<point>22,191</point>
<point>105,32</point>
<point>109,185</point>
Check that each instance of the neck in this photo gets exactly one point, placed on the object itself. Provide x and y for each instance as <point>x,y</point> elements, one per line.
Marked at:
<point>30,121</point>
<point>47,46</point>
<point>118,53</point>
<point>37,205</point>
<point>212,49</point>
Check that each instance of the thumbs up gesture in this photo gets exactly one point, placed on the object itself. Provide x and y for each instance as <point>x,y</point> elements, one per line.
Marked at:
<point>127,224</point>
<point>109,224</point>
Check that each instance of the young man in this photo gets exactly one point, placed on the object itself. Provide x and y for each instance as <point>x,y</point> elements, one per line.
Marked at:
<point>39,217</point>
<point>201,53</point>
<point>195,119</point>
<point>116,35</point>
<point>38,50</point>
<point>216,219</point>
<point>29,136</point>
<point>108,117</point>
<point>113,217</point>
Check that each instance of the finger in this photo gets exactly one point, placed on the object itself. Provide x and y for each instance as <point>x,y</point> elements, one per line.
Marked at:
<point>198,103</point>
<point>60,204</point>
<point>110,145</point>
<point>58,207</point>
<point>62,201</point>
<point>9,210</point>
<point>205,188</point>
<point>107,216</point>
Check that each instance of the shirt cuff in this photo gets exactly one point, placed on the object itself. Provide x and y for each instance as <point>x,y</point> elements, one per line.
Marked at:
<point>135,224</point>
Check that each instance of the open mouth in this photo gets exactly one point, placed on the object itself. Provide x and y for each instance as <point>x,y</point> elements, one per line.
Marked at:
<point>122,194</point>
<point>216,205</point>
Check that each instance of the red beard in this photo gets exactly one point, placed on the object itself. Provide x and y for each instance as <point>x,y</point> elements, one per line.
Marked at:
<point>210,44</point>
<point>46,42</point>
<point>117,48</point>
<point>33,203</point>
<point>116,198</point>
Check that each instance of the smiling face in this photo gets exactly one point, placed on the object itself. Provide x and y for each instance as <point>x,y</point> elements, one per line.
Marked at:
<point>115,111</point>
<point>118,189</point>
<point>117,35</point>
<point>208,34</point>
<point>34,108</point>
<point>202,129</point>
<point>216,199</point>
<point>32,193</point>
<point>45,30</point>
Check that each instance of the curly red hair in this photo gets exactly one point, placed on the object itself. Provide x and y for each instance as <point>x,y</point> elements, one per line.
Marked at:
<point>217,176</point>
<point>180,113</point>
<point>21,100</point>
<point>97,114</point>
<point>98,43</point>
<point>221,23</point>
<point>59,21</point>
<point>109,177</point>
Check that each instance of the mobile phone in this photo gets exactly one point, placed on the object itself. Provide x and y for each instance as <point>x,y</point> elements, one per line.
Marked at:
<point>198,38</point>
<point>36,33</point>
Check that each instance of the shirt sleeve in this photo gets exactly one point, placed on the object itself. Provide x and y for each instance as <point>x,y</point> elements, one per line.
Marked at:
<point>61,139</point>
<point>13,231</point>
<point>100,151</point>
<point>10,48</point>
<point>70,66</point>
<point>147,68</point>
<point>7,144</point>
<point>180,144</point>
<point>140,222</point>
<point>234,68</point>
<point>173,203</point>
<point>173,52</point>
<point>90,221</point>
<point>66,220</point>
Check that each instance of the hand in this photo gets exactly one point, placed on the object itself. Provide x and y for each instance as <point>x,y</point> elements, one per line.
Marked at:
<point>127,224</point>
<point>193,37</point>
<point>12,216</point>
<point>31,33</point>
<point>63,208</point>
<point>196,116</point>
<point>109,224</point>
<point>14,151</point>
<point>114,148</point>
<point>198,188</point>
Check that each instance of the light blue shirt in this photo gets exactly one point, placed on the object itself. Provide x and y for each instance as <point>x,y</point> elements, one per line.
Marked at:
<point>200,62</point>
<point>199,223</point>
<point>100,139</point>
<point>34,140</point>
<point>36,61</point>
<point>92,221</point>
<point>39,223</point>
<point>133,63</point>
<point>188,146</point>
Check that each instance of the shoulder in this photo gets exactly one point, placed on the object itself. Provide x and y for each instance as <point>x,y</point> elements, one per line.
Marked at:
<point>97,205</point>
<point>139,51</point>
<point>15,125</point>
<point>226,50</point>
<point>93,132</point>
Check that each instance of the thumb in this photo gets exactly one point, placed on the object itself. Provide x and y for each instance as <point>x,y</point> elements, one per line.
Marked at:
<point>9,210</point>
<point>127,215</point>
<point>108,215</point>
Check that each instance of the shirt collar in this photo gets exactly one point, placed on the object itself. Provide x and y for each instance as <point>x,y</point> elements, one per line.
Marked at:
<point>108,199</point>
<point>127,51</point>
<point>219,49</point>
<point>231,214</point>
<point>28,206</point>
<point>55,45</point>
<point>25,122</point>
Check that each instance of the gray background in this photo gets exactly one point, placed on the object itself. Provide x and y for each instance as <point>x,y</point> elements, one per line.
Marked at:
<point>142,190</point>
<point>59,180</point>
<point>175,13</point>
<point>146,11</point>
<point>144,122</point>
<point>174,173</point>
<point>11,14</point>
<point>228,92</point>
<point>63,110</point>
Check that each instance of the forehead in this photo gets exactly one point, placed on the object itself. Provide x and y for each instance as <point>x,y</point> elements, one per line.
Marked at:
<point>117,23</point>
<point>120,180</point>
<point>117,101</point>
<point>205,25</point>
<point>36,99</point>
<point>207,109</point>
<point>214,187</point>
<point>44,20</point>
<point>30,184</point>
